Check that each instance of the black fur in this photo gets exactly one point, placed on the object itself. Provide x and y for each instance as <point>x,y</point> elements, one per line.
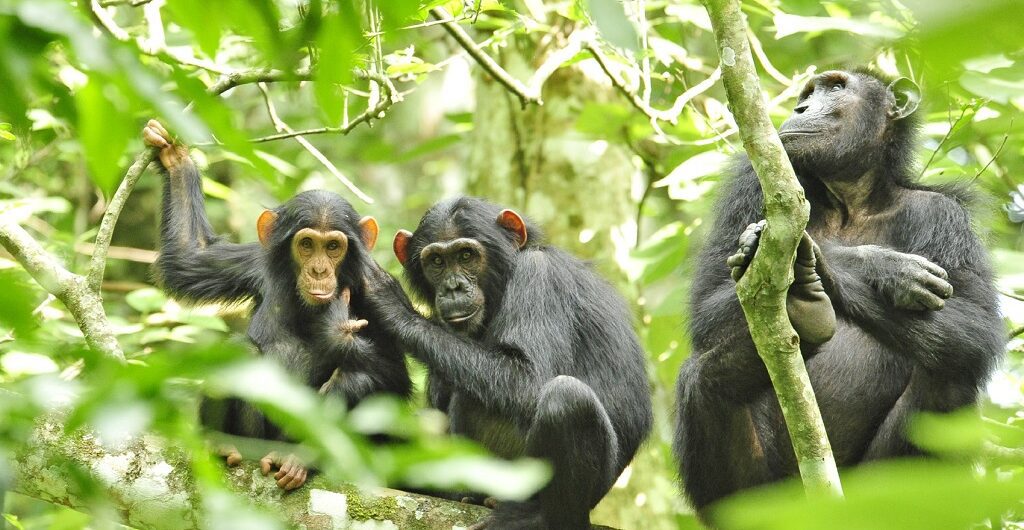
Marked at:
<point>197,265</point>
<point>883,364</point>
<point>556,370</point>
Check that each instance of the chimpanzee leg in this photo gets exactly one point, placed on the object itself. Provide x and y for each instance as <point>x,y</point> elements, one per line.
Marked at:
<point>572,431</point>
<point>924,393</point>
<point>716,442</point>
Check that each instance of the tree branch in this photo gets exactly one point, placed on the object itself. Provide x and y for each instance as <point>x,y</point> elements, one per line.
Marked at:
<point>525,94</point>
<point>106,231</point>
<point>762,289</point>
<point>72,290</point>
<point>147,481</point>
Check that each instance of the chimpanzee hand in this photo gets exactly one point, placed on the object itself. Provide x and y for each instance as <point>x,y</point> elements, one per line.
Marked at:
<point>809,308</point>
<point>908,281</point>
<point>349,327</point>
<point>171,155</point>
<point>291,472</point>
<point>385,297</point>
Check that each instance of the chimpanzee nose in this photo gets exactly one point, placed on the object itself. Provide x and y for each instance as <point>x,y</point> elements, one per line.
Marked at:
<point>451,284</point>
<point>319,272</point>
<point>799,109</point>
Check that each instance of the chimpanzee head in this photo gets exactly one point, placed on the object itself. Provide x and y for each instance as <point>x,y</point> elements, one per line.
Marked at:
<point>846,123</point>
<point>316,242</point>
<point>460,258</point>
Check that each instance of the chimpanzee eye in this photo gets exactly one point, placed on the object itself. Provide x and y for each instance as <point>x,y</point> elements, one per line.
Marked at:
<point>465,255</point>
<point>306,243</point>
<point>436,260</point>
<point>837,87</point>
<point>333,245</point>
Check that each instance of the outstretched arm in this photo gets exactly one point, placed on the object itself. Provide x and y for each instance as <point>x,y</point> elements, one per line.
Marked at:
<point>194,263</point>
<point>504,377</point>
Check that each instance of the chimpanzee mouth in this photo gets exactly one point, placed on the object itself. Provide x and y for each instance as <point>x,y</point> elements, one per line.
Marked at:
<point>459,319</point>
<point>799,132</point>
<point>320,296</point>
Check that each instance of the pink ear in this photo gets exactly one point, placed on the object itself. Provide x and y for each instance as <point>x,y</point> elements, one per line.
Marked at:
<point>265,226</point>
<point>369,227</point>
<point>510,220</point>
<point>401,245</point>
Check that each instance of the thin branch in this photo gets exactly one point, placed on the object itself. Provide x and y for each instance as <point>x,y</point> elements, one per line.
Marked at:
<point>106,23</point>
<point>555,60</point>
<point>949,132</point>
<point>71,289</point>
<point>247,77</point>
<point>525,94</point>
<point>1015,296</point>
<point>762,57</point>
<point>106,231</point>
<point>391,96</point>
<point>138,255</point>
<point>671,115</point>
<point>131,3</point>
<point>994,155</point>
<point>1018,331</point>
<point>281,126</point>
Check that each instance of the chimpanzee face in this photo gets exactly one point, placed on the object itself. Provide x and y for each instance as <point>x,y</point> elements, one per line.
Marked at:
<point>317,248</point>
<point>317,255</point>
<point>454,269</point>
<point>841,119</point>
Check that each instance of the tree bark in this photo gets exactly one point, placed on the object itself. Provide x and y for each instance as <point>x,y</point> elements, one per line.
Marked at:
<point>763,288</point>
<point>148,484</point>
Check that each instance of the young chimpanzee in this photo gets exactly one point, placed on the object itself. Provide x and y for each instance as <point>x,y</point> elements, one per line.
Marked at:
<point>302,277</point>
<point>916,325</point>
<point>529,352</point>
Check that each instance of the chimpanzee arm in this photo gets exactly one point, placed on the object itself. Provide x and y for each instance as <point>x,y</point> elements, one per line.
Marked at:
<point>194,262</point>
<point>505,376</point>
<point>964,336</point>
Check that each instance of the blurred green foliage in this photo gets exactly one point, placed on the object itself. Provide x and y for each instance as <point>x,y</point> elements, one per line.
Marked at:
<point>77,81</point>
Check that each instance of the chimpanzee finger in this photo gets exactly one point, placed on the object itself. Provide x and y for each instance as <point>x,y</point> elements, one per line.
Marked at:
<point>153,138</point>
<point>346,295</point>
<point>159,128</point>
<point>927,299</point>
<point>268,462</point>
<point>936,285</point>
<point>737,260</point>
<point>299,479</point>
<point>805,250</point>
<point>294,478</point>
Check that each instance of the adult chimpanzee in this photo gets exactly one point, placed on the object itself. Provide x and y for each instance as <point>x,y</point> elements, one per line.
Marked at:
<point>916,325</point>
<point>529,352</point>
<point>302,276</point>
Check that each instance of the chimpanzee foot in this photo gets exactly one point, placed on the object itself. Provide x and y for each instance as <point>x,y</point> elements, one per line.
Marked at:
<point>747,242</point>
<point>291,472</point>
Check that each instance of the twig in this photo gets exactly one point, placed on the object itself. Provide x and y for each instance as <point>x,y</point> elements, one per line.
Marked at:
<point>106,231</point>
<point>281,126</point>
<point>391,96</point>
<point>525,94</point>
<point>105,22</point>
<point>557,58</point>
<point>994,155</point>
<point>71,289</point>
<point>1015,296</point>
<point>671,115</point>
<point>247,77</point>
<point>1018,331</point>
<point>762,57</point>
<point>132,3</point>
<point>949,132</point>
<point>138,255</point>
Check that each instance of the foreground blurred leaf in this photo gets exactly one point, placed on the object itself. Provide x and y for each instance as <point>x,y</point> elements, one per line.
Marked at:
<point>904,494</point>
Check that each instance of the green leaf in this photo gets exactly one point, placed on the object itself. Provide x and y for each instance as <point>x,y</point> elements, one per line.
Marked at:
<point>103,130</point>
<point>610,18</point>
<point>146,300</point>
<point>339,37</point>
<point>998,84</point>
<point>786,25</point>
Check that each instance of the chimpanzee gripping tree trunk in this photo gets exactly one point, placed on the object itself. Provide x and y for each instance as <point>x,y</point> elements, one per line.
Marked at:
<point>762,290</point>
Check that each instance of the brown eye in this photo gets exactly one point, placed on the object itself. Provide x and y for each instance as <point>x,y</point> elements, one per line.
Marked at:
<point>306,243</point>
<point>436,260</point>
<point>333,245</point>
<point>465,255</point>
